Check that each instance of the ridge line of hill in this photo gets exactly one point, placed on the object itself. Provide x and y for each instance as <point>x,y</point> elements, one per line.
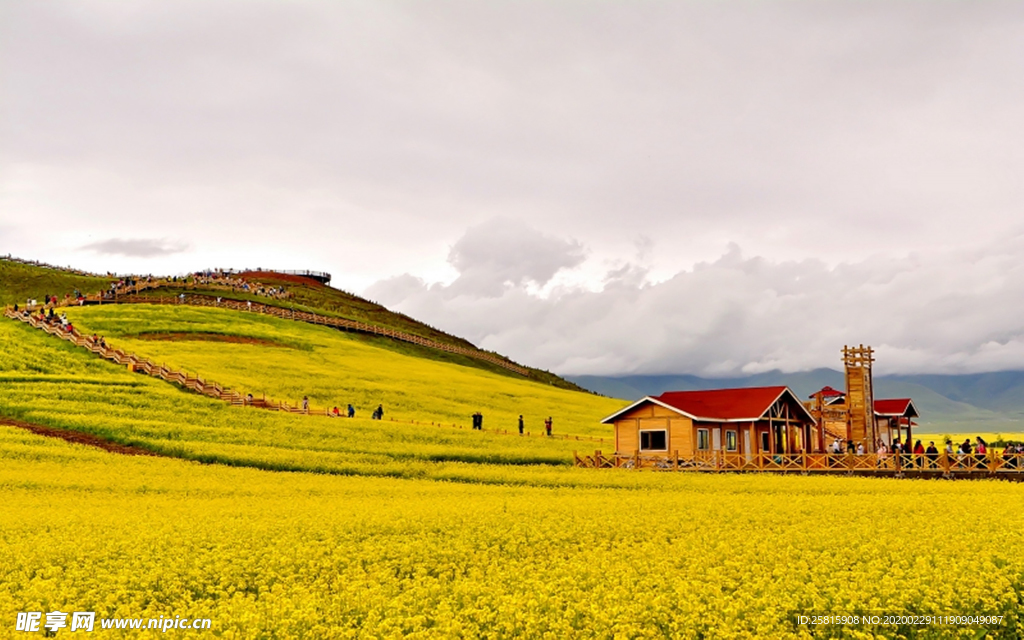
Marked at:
<point>209,388</point>
<point>26,280</point>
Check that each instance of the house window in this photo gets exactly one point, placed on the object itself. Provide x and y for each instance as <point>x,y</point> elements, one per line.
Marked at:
<point>731,441</point>
<point>654,440</point>
<point>703,441</point>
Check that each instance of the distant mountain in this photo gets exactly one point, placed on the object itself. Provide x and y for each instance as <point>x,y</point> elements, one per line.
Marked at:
<point>990,402</point>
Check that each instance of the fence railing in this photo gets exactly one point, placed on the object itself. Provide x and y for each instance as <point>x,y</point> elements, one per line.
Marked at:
<point>939,464</point>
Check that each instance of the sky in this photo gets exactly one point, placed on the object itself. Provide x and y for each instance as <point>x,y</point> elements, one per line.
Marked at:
<point>613,187</point>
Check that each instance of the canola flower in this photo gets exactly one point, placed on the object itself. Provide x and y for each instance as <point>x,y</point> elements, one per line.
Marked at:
<point>304,556</point>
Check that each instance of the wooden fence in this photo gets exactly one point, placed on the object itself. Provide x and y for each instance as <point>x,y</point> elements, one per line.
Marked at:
<point>130,295</point>
<point>913,465</point>
<point>216,390</point>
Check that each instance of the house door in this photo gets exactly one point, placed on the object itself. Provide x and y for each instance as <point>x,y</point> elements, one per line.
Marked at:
<point>716,439</point>
<point>746,444</point>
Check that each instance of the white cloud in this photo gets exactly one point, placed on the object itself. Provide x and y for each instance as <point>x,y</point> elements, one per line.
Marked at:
<point>950,311</point>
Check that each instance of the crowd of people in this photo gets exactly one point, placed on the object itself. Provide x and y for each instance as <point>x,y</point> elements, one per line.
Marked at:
<point>917,454</point>
<point>220,277</point>
<point>48,315</point>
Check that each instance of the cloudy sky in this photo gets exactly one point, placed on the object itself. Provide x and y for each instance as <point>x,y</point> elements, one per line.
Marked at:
<point>590,187</point>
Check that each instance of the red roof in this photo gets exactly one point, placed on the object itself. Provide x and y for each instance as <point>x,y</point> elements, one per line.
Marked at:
<point>828,392</point>
<point>720,405</point>
<point>896,407</point>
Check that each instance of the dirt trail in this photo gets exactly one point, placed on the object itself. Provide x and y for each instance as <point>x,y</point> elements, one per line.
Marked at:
<point>199,336</point>
<point>79,438</point>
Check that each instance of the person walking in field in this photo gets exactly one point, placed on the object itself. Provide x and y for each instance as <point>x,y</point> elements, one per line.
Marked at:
<point>351,411</point>
<point>520,425</point>
<point>305,404</point>
<point>547,425</point>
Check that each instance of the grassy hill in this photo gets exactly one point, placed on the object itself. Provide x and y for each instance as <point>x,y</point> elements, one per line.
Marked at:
<point>46,381</point>
<point>288,360</point>
<point>20,282</point>
<point>310,295</point>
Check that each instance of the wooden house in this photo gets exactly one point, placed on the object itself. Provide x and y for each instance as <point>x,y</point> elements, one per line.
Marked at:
<point>894,418</point>
<point>737,421</point>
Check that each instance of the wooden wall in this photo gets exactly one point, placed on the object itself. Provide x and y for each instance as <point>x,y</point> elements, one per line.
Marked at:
<point>652,416</point>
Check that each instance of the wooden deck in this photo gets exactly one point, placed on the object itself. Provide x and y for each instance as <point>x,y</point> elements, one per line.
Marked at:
<point>993,465</point>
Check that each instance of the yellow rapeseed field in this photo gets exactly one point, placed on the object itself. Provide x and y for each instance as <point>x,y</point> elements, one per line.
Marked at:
<point>267,554</point>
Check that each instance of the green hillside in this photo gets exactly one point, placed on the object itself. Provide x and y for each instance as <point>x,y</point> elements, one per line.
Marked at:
<point>287,360</point>
<point>44,380</point>
<point>309,295</point>
<point>20,282</point>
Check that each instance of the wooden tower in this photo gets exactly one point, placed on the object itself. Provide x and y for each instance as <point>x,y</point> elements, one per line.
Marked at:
<point>860,396</point>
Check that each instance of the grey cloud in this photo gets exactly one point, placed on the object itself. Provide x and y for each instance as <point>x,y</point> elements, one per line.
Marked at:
<point>736,314</point>
<point>500,253</point>
<point>137,248</point>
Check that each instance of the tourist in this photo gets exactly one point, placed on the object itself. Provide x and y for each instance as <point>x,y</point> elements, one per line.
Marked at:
<point>351,411</point>
<point>932,454</point>
<point>520,425</point>
<point>305,404</point>
<point>1009,459</point>
<point>547,425</point>
<point>860,448</point>
<point>918,452</point>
